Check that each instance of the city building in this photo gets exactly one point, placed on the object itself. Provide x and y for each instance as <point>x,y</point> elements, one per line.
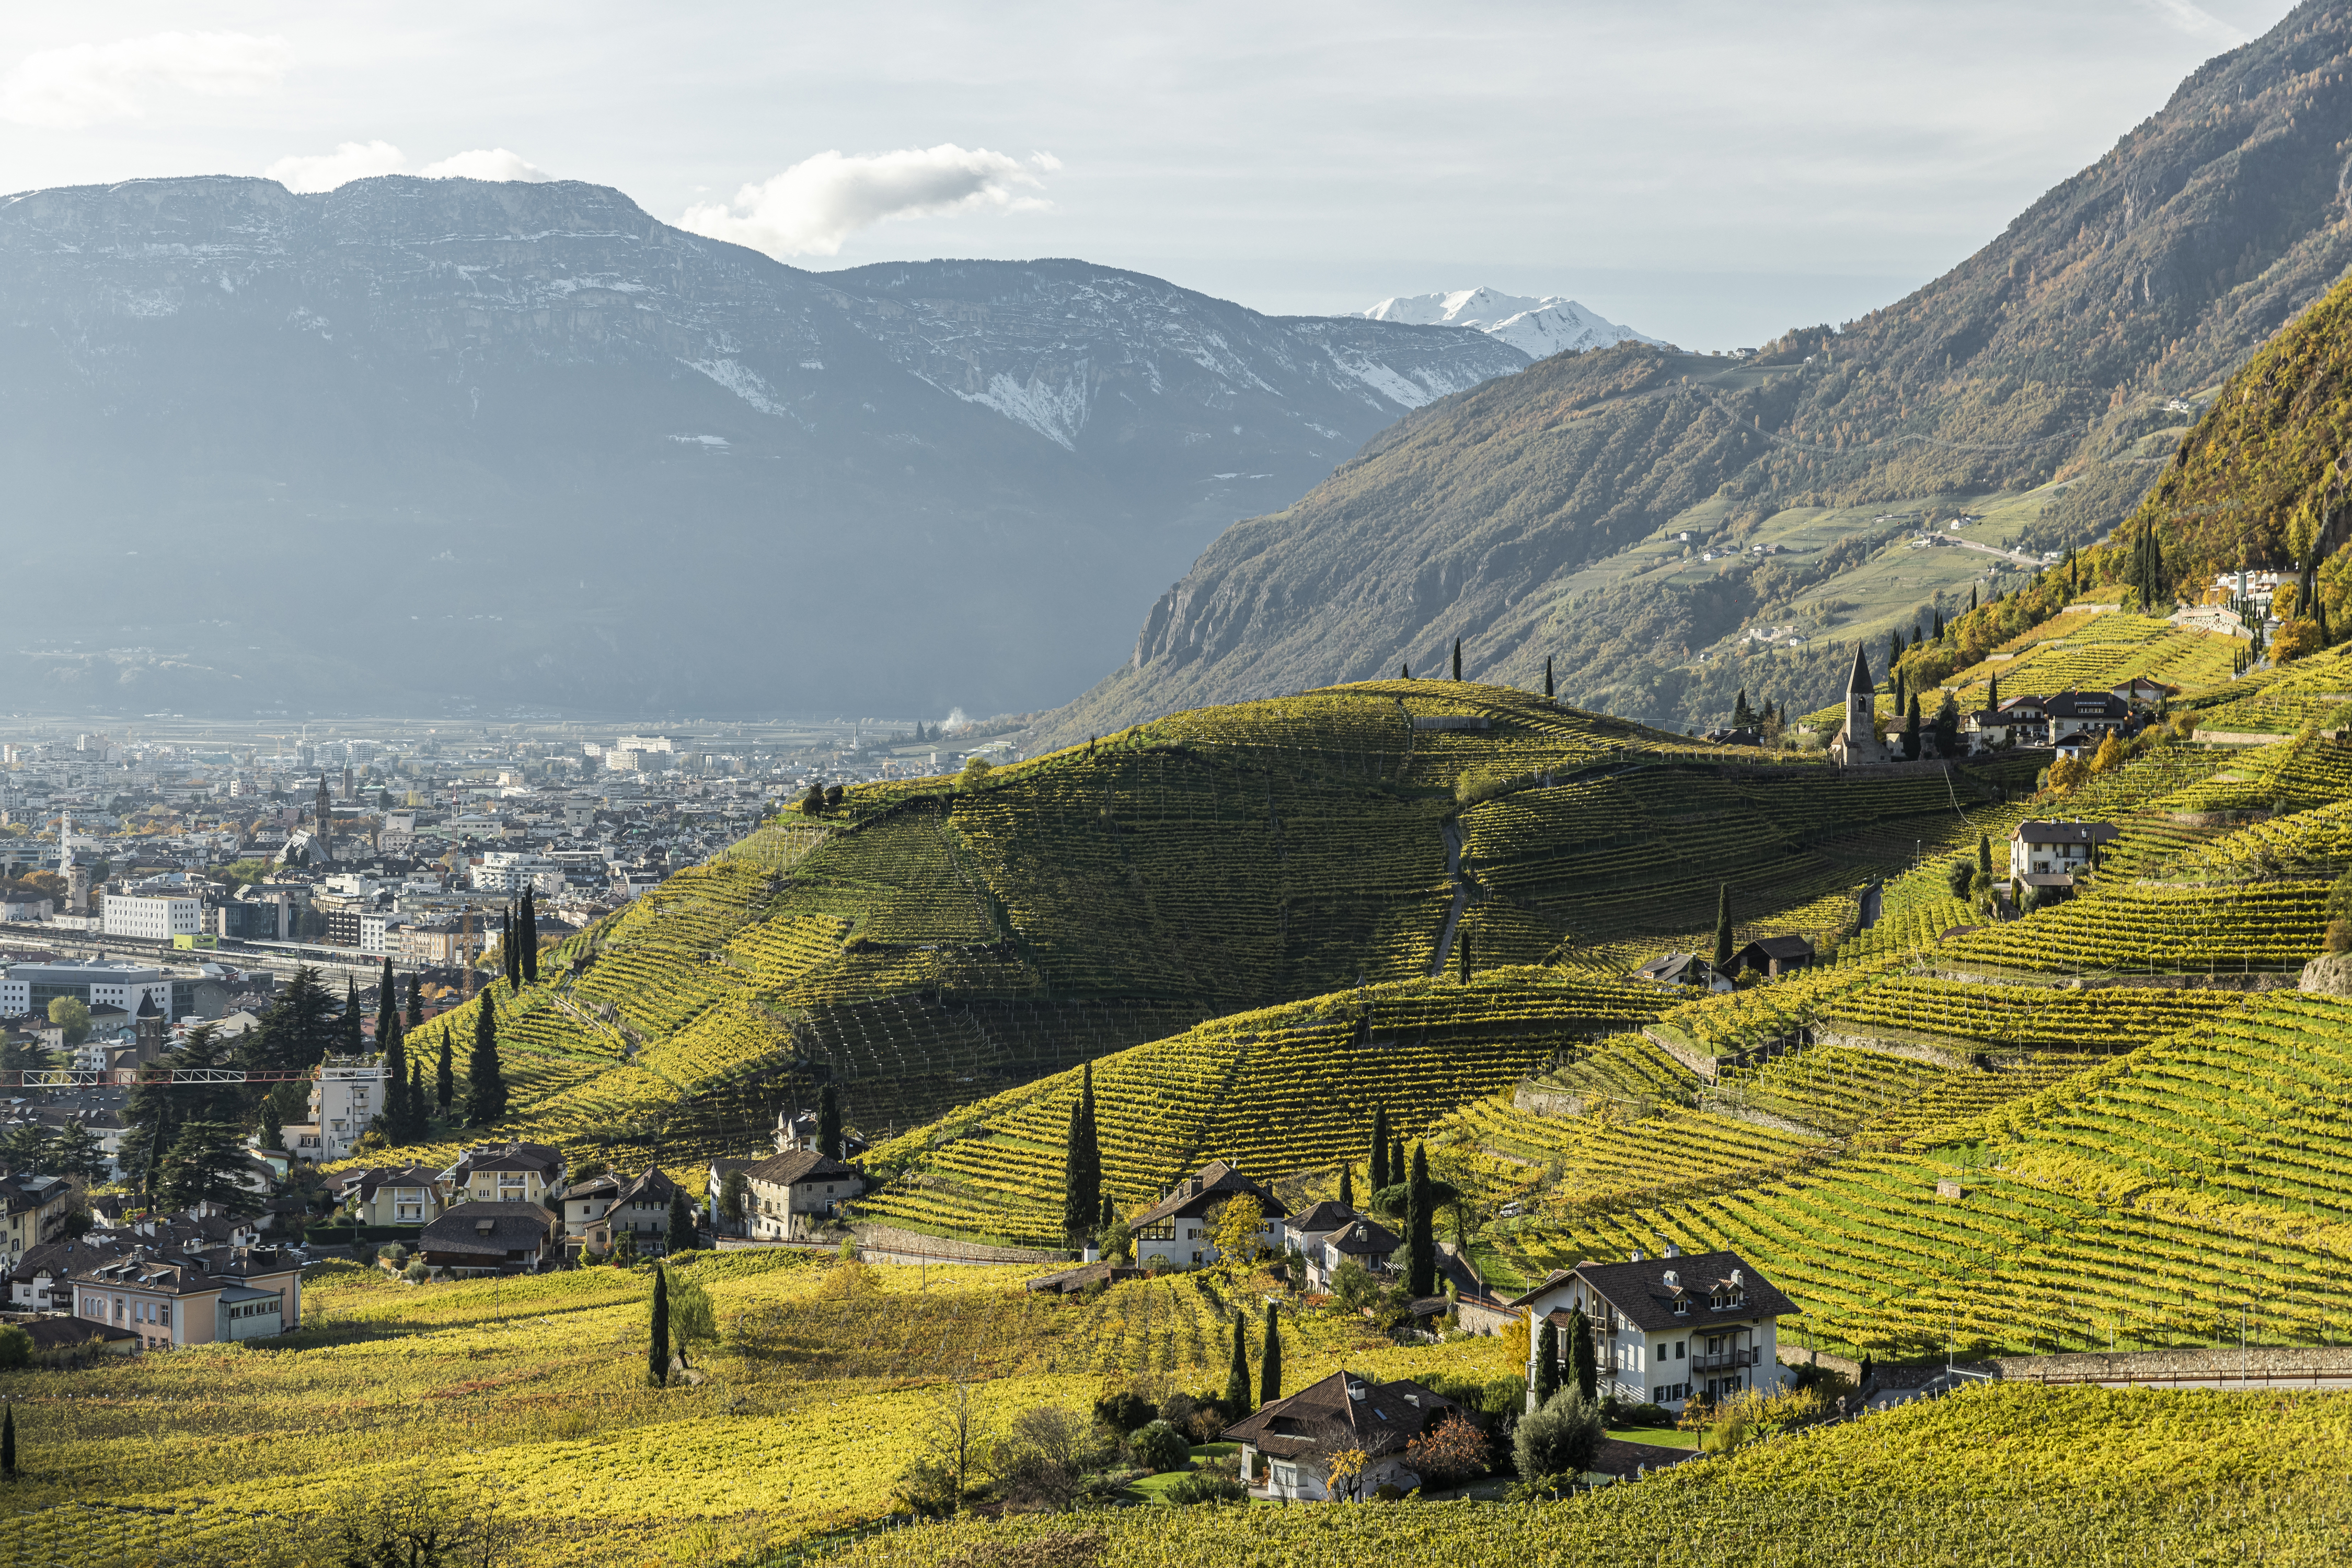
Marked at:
<point>100,982</point>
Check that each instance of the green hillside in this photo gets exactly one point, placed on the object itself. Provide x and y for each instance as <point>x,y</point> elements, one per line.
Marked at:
<point>934,943</point>
<point>2033,393</point>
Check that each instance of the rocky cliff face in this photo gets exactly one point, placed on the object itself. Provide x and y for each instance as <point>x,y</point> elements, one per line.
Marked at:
<point>523,445</point>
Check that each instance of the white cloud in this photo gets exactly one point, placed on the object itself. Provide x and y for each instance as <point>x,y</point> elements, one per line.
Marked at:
<point>350,160</point>
<point>484,164</point>
<point>1047,161</point>
<point>818,203</point>
<point>83,84</point>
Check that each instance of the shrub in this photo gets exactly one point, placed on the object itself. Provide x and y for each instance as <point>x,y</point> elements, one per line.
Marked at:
<point>16,1346</point>
<point>2294,640</point>
<point>1158,1446</point>
<point>1218,1481</point>
<point>1123,1411</point>
<point>1557,1443</point>
<point>2339,936</point>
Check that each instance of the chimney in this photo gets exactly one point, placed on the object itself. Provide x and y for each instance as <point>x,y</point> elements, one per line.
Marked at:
<point>1673,1250</point>
<point>1637,1256</point>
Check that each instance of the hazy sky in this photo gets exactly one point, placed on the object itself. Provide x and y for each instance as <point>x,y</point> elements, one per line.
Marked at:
<point>1710,174</point>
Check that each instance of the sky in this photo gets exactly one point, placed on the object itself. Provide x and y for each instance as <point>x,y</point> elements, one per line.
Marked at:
<point>1710,174</point>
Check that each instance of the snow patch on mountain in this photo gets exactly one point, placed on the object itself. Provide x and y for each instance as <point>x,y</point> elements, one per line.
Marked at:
<point>1056,413</point>
<point>1536,328</point>
<point>745,383</point>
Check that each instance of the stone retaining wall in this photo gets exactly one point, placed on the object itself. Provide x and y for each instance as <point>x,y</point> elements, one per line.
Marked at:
<point>2255,1361</point>
<point>915,1244</point>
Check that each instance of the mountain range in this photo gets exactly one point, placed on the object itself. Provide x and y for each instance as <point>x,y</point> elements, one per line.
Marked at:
<point>448,444</point>
<point>1536,328</point>
<point>1608,514</point>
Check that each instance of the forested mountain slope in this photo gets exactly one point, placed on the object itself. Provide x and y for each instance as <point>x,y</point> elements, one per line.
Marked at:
<point>2072,348</point>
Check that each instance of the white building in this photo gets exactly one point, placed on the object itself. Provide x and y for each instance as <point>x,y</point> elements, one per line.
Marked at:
<point>1664,1328</point>
<point>2055,848</point>
<point>1176,1229</point>
<point>511,871</point>
<point>151,919</point>
<point>346,1095</point>
<point>100,982</point>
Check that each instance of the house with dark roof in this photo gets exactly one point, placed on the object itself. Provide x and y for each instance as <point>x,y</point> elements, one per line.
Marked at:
<point>169,1299</point>
<point>397,1195</point>
<point>788,1193</point>
<point>36,1207</point>
<point>582,1205</point>
<point>1287,1446</point>
<point>1361,1240</point>
<point>490,1238</point>
<point>1666,1329</point>
<point>2040,849</point>
<point>504,1173</point>
<point>1774,955</point>
<point>640,1211</point>
<point>1176,1229</point>
<point>2091,714</point>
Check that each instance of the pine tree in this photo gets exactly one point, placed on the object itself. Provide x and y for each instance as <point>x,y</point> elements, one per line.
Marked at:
<point>1723,925</point>
<point>1269,1366</point>
<point>1379,1147</point>
<point>828,1121</point>
<point>445,1080</point>
<point>1421,1276</point>
<point>1582,1363</point>
<point>1457,658</point>
<point>205,1165</point>
<point>486,1088</point>
<point>658,1340</point>
<point>1237,1378</point>
<point>1347,1186</point>
<point>1547,1378</point>
<point>1547,675</point>
<point>529,956</point>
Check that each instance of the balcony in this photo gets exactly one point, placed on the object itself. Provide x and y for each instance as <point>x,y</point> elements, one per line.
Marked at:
<point>1723,1361</point>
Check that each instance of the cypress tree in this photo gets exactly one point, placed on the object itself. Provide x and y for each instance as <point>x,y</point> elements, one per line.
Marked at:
<point>828,1121</point>
<point>510,949</point>
<point>1546,675</point>
<point>1396,1161</point>
<point>1457,658</point>
<point>1740,717</point>
<point>445,1080</point>
<point>1379,1147</point>
<point>8,1443</point>
<point>681,1222</point>
<point>1547,1369</point>
<point>1269,1366</point>
<point>1074,1214</point>
<point>485,1088</point>
<point>416,1003</point>
<point>1404,672</point>
<point>1911,729</point>
<point>1347,1186</point>
<point>1462,943</point>
<point>1984,855</point>
<point>387,1003</point>
<point>1420,1278</point>
<point>1110,1217</point>
<point>354,1044</point>
<point>1972,598</point>
<point>1580,1359</point>
<point>1237,1378</point>
<point>529,956</point>
<point>417,1125</point>
<point>396,1111</point>
<point>658,1340</point>
<point>1723,925</point>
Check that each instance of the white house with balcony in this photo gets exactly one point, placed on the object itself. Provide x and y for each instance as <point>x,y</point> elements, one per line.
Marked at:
<point>1176,1229</point>
<point>1666,1329</point>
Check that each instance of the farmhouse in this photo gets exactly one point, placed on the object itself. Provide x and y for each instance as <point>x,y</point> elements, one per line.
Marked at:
<point>1289,1447</point>
<point>1664,1328</point>
<point>400,1194</point>
<point>790,1192</point>
<point>490,1238</point>
<point>2056,848</point>
<point>1176,1228</point>
<point>1774,956</point>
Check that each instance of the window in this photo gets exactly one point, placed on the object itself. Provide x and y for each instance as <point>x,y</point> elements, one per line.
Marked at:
<point>1680,1346</point>
<point>164,1314</point>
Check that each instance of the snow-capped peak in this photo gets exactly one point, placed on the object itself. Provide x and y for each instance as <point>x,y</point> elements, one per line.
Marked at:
<point>1536,328</point>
